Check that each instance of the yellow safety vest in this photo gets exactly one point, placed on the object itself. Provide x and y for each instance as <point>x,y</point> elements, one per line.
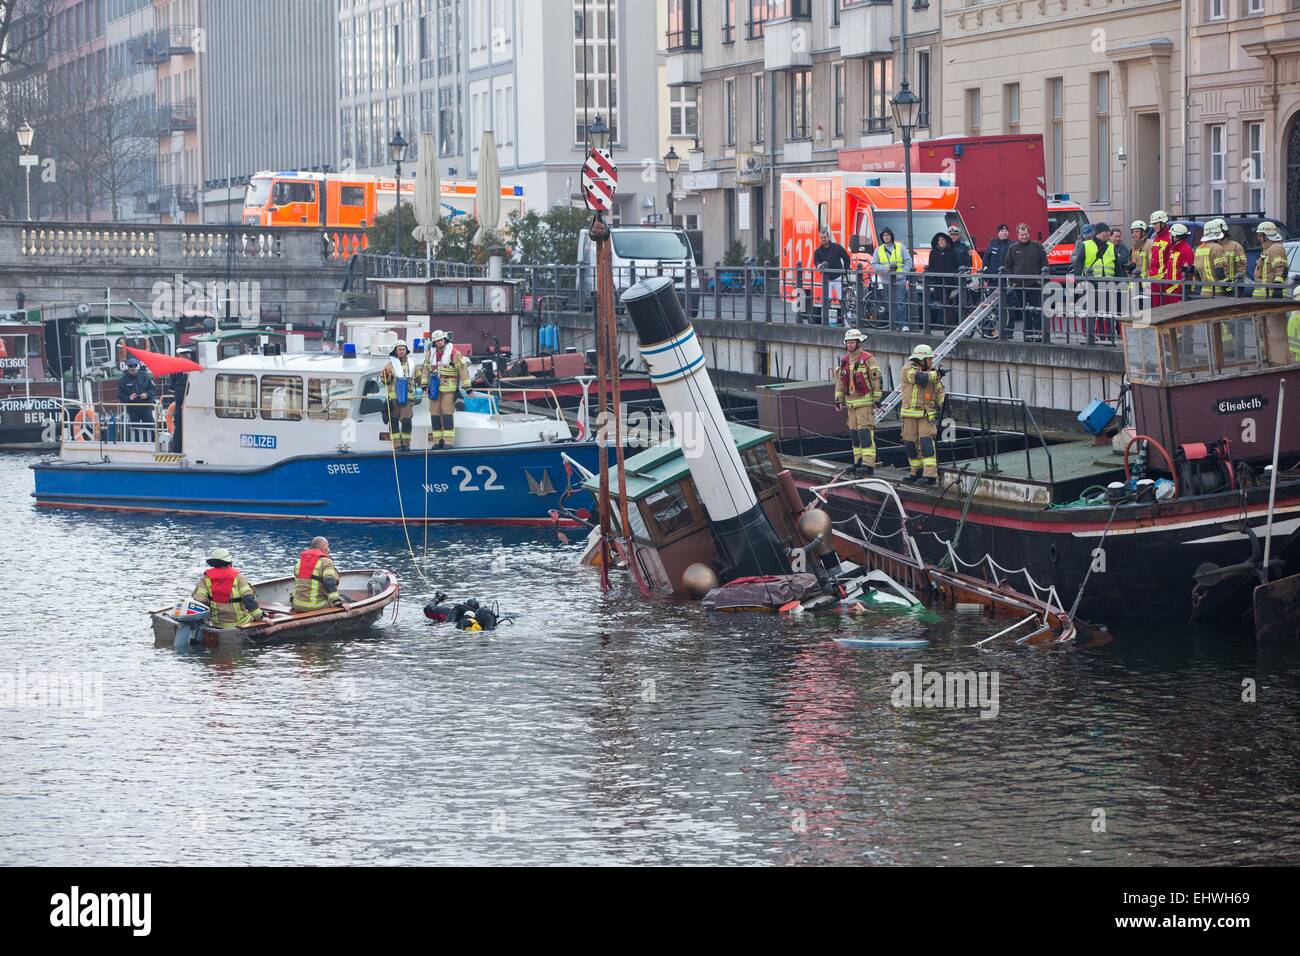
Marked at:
<point>921,400</point>
<point>894,257</point>
<point>1293,335</point>
<point>1101,266</point>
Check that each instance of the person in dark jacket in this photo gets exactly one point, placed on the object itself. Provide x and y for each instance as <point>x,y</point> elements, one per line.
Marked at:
<point>176,384</point>
<point>1026,258</point>
<point>135,390</point>
<point>995,257</point>
<point>960,248</point>
<point>941,280</point>
<point>832,261</point>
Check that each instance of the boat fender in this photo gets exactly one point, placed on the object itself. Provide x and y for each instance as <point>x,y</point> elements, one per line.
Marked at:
<point>378,581</point>
<point>862,643</point>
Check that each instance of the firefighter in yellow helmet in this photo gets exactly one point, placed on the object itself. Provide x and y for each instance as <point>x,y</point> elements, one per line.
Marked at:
<point>1293,331</point>
<point>231,600</point>
<point>1270,268</point>
<point>922,401</point>
<point>857,389</point>
<point>447,372</point>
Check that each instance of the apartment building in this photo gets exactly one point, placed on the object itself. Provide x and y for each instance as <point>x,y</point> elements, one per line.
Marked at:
<point>1243,109</point>
<point>1104,81</point>
<point>459,67</point>
<point>780,87</point>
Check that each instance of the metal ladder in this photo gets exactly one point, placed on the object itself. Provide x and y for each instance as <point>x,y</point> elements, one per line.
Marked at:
<point>964,328</point>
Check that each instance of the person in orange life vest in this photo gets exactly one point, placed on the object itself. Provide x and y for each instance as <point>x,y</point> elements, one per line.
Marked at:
<point>857,388</point>
<point>316,579</point>
<point>1180,259</point>
<point>446,367</point>
<point>231,600</point>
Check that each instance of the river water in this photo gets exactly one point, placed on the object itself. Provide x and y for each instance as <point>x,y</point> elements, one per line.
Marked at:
<point>596,729</point>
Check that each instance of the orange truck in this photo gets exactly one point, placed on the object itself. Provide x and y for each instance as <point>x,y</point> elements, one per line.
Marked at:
<point>856,207</point>
<point>341,200</point>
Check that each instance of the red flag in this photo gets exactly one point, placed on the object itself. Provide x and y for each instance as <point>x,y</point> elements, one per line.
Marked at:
<point>160,364</point>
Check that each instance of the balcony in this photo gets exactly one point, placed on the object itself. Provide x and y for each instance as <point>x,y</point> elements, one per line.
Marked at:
<point>160,45</point>
<point>683,66</point>
<point>163,199</point>
<point>865,29</point>
<point>175,118</point>
<point>787,44</point>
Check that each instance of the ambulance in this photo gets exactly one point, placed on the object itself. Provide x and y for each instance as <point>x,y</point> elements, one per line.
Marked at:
<point>856,207</point>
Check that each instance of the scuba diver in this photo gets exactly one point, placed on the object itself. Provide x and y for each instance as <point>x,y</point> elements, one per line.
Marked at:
<point>466,616</point>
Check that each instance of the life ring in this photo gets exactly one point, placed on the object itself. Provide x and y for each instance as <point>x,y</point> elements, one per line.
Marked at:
<point>170,419</point>
<point>85,426</point>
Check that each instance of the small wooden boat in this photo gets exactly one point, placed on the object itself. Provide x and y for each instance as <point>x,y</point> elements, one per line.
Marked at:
<point>367,593</point>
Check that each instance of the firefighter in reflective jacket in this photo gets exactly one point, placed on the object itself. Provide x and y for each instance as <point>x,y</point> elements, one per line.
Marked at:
<point>1214,262</point>
<point>402,378</point>
<point>1270,268</point>
<point>857,388</point>
<point>922,400</point>
<point>231,600</point>
<point>447,372</point>
<point>1293,330</point>
<point>1234,257</point>
<point>315,578</point>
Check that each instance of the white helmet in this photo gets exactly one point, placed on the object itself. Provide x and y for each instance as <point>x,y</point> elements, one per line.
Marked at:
<point>1269,230</point>
<point>922,352</point>
<point>1213,230</point>
<point>1138,224</point>
<point>853,335</point>
<point>1177,230</point>
<point>1159,216</point>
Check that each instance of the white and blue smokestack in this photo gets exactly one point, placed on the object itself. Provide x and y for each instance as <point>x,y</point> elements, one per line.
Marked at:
<point>748,544</point>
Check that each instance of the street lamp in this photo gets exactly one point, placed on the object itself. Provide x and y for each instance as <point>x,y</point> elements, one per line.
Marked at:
<point>672,163</point>
<point>27,160</point>
<point>397,150</point>
<point>907,112</point>
<point>598,133</point>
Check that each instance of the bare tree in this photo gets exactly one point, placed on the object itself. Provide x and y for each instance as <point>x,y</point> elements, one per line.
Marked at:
<point>24,31</point>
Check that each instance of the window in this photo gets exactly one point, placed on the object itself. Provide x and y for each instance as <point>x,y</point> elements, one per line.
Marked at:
<point>878,85</point>
<point>683,111</point>
<point>923,87</point>
<point>328,398</point>
<point>1101,137</point>
<point>1056,135</point>
<point>789,9</point>
<point>1011,107</point>
<point>973,112</point>
<point>762,473</point>
<point>1214,9</point>
<point>671,511</point>
<point>757,15</point>
<point>236,396</point>
<point>760,108</point>
<point>800,103</point>
<point>1253,165</point>
<point>1238,344</point>
<point>595,67</point>
<point>837,75</point>
<point>835,12</point>
<point>729,106</point>
<point>286,193</point>
<point>1140,345</point>
<point>683,24</point>
<point>728,21</point>
<point>1254,6</point>
<point>1217,164</point>
<point>282,398</point>
<point>1186,350</point>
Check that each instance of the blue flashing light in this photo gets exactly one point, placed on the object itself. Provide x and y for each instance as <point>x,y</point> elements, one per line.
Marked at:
<point>519,190</point>
<point>350,350</point>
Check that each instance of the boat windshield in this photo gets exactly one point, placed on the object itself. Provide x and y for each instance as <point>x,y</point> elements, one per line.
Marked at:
<point>650,244</point>
<point>259,191</point>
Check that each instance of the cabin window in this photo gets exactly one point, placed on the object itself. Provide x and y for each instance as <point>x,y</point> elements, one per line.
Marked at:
<point>286,193</point>
<point>352,196</point>
<point>671,510</point>
<point>236,396</point>
<point>1140,344</point>
<point>282,398</point>
<point>417,298</point>
<point>762,473</point>
<point>394,297</point>
<point>1238,343</point>
<point>1187,351</point>
<point>328,398</point>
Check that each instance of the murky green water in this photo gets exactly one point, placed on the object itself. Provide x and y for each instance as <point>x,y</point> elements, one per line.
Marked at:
<point>598,729</point>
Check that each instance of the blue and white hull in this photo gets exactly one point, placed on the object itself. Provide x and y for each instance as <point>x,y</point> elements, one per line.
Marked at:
<point>513,485</point>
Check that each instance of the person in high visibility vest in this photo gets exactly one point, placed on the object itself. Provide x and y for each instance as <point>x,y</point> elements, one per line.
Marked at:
<point>922,401</point>
<point>1212,262</point>
<point>1178,258</point>
<point>1096,257</point>
<point>402,378</point>
<point>857,389</point>
<point>892,263</point>
<point>447,372</point>
<point>1270,268</point>
<point>231,600</point>
<point>316,579</point>
<point>1293,331</point>
<point>1137,264</point>
<point>1234,257</point>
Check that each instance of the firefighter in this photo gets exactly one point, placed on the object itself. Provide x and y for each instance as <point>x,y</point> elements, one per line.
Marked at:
<point>1213,262</point>
<point>402,378</point>
<point>1137,264</point>
<point>1293,330</point>
<point>447,372</point>
<point>1236,258</point>
<point>857,389</point>
<point>316,579</point>
<point>1158,254</point>
<point>922,400</point>
<point>231,600</point>
<point>1270,269</point>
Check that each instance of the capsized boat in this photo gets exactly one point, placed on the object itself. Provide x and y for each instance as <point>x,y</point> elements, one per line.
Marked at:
<point>303,436</point>
<point>367,593</point>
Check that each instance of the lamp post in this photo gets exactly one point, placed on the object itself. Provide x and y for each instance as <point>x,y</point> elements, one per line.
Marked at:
<point>397,150</point>
<point>672,163</point>
<point>907,111</point>
<point>27,160</point>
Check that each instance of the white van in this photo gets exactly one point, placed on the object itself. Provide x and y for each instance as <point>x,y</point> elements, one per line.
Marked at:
<point>639,252</point>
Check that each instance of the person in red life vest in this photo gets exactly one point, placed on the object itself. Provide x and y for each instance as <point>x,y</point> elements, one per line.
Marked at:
<point>857,389</point>
<point>316,579</point>
<point>1180,259</point>
<point>231,600</point>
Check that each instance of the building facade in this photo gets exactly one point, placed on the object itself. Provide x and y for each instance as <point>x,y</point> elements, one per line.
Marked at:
<point>1244,108</point>
<point>535,72</point>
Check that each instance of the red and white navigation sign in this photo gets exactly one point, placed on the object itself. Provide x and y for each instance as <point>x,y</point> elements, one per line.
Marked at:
<point>599,181</point>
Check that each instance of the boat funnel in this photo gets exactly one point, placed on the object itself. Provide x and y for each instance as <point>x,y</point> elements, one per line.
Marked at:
<point>747,543</point>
